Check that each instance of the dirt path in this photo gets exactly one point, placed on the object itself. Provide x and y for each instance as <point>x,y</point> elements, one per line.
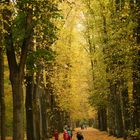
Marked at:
<point>92,134</point>
<point>89,134</point>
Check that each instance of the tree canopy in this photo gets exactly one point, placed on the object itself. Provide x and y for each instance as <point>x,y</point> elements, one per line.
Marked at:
<point>69,61</point>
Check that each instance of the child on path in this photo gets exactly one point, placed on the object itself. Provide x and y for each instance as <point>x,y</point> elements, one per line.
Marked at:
<point>56,135</point>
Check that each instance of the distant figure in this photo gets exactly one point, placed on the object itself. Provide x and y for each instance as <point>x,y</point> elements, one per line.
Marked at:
<point>69,131</point>
<point>79,136</point>
<point>65,135</point>
<point>56,135</point>
<point>82,126</point>
<point>65,126</point>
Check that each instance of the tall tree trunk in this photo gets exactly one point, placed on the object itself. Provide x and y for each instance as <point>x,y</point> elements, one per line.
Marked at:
<point>135,121</point>
<point>29,107</point>
<point>99,120</point>
<point>111,110</point>
<point>45,113</point>
<point>2,98</point>
<point>136,98</point>
<point>136,72</point>
<point>17,68</point>
<point>125,110</point>
<point>16,78</point>
<point>37,109</point>
<point>104,116</point>
<point>18,106</point>
<point>118,116</point>
<point>58,119</point>
<point>115,112</point>
<point>44,117</point>
<point>49,113</point>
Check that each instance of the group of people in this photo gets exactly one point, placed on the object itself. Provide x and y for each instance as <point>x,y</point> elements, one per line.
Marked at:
<point>67,134</point>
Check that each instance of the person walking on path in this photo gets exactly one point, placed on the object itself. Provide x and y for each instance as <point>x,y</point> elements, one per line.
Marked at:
<point>69,131</point>
<point>79,136</point>
<point>56,135</point>
<point>65,135</point>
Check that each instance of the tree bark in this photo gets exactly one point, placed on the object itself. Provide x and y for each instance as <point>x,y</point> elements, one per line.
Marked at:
<point>44,114</point>
<point>136,70</point>
<point>99,120</point>
<point>37,109</point>
<point>118,116</point>
<point>125,111</point>
<point>111,110</point>
<point>18,108</point>
<point>2,98</point>
<point>115,112</point>
<point>17,68</point>
<point>29,107</point>
<point>104,116</point>
<point>102,119</point>
<point>135,7</point>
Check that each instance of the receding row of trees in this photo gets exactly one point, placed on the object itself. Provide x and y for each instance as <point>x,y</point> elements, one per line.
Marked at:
<point>26,37</point>
<point>112,33</point>
<point>37,41</point>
